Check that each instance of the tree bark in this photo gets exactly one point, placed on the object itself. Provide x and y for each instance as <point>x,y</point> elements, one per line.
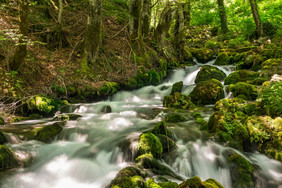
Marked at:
<point>179,26</point>
<point>146,17</point>
<point>256,18</point>
<point>187,13</point>
<point>135,22</point>
<point>21,50</point>
<point>164,24</point>
<point>222,15</point>
<point>93,38</point>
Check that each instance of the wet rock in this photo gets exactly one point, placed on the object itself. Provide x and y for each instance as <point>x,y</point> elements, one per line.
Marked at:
<point>241,171</point>
<point>176,87</point>
<point>252,62</point>
<point>7,158</point>
<point>167,143</point>
<point>208,72</point>
<point>48,133</point>
<point>244,90</point>
<point>175,117</point>
<point>149,143</point>
<point>160,128</point>
<point>245,76</point>
<point>203,55</point>
<point>106,109</point>
<point>3,138</point>
<point>196,182</point>
<point>178,100</point>
<point>207,92</point>
<point>66,117</point>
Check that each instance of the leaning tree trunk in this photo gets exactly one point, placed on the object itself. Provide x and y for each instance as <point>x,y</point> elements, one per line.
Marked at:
<point>146,17</point>
<point>21,50</point>
<point>135,22</point>
<point>164,24</point>
<point>256,18</point>
<point>93,38</point>
<point>222,15</point>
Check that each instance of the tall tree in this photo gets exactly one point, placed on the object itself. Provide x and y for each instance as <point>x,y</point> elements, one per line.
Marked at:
<point>187,13</point>
<point>21,50</point>
<point>93,38</point>
<point>135,22</point>
<point>179,26</point>
<point>256,18</point>
<point>222,15</point>
<point>146,17</point>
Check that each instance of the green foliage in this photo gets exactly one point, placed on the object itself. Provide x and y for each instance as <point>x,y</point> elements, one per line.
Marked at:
<point>117,9</point>
<point>271,96</point>
<point>109,88</point>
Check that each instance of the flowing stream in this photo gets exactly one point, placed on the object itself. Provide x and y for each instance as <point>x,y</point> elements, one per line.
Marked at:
<point>91,150</point>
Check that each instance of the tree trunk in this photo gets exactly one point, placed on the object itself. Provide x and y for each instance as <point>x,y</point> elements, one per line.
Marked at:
<point>135,22</point>
<point>61,8</point>
<point>146,17</point>
<point>222,15</point>
<point>187,13</point>
<point>256,18</point>
<point>164,24</point>
<point>21,50</point>
<point>179,27</point>
<point>93,38</point>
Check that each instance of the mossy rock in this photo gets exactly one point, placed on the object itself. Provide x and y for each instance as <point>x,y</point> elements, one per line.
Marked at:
<point>178,100</point>
<point>245,76</point>
<point>147,161</point>
<point>175,117</point>
<point>150,143</point>
<point>207,92</point>
<point>208,72</point>
<point>108,88</point>
<point>44,105</point>
<point>167,143</point>
<point>176,87</point>
<point>168,184</point>
<point>203,55</point>
<point>150,183</point>
<point>252,62</point>
<point>7,158</point>
<point>222,59</point>
<point>66,117</point>
<point>250,92</point>
<point>196,182</point>
<point>271,98</point>
<point>272,53</point>
<point>3,138</point>
<point>49,132</point>
<point>160,128</point>
<point>271,67</point>
<point>2,122</point>
<point>241,171</point>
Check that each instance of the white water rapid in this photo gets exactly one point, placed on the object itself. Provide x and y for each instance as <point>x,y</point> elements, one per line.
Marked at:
<point>90,151</point>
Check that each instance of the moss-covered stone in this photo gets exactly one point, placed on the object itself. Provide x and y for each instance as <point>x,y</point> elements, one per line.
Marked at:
<point>222,59</point>
<point>168,184</point>
<point>48,133</point>
<point>203,55</point>
<point>212,183</point>
<point>241,171</point>
<point>160,128</point>
<point>272,53</point>
<point>44,105</point>
<point>150,183</point>
<point>175,117</point>
<point>178,100</point>
<point>66,117</point>
<point>207,92</point>
<point>252,62</point>
<point>245,76</point>
<point>167,143</point>
<point>3,138</point>
<point>271,98</point>
<point>2,122</point>
<point>248,91</point>
<point>196,182</point>
<point>200,121</point>
<point>108,88</point>
<point>208,72</point>
<point>176,87</point>
<point>271,67</point>
<point>149,143</point>
<point>7,158</point>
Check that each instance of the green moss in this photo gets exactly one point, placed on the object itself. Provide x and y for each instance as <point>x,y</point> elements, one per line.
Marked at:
<point>194,182</point>
<point>175,117</point>
<point>202,54</point>
<point>207,92</point>
<point>212,183</point>
<point>7,158</point>
<point>272,53</point>
<point>222,59</point>
<point>167,143</point>
<point>208,72</point>
<point>48,133</point>
<point>168,184</point>
<point>244,76</point>
<point>271,67</point>
<point>2,122</point>
<point>178,100</point>
<point>149,143</point>
<point>3,138</point>
<point>241,171</point>
<point>176,87</point>
<point>249,91</point>
<point>109,88</point>
<point>252,62</point>
<point>150,183</point>
<point>125,181</point>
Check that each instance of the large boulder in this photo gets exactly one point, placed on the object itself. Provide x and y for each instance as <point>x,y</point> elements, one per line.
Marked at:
<point>227,58</point>
<point>244,90</point>
<point>48,133</point>
<point>149,143</point>
<point>252,62</point>
<point>207,92</point>
<point>176,87</point>
<point>203,55</point>
<point>208,72</point>
<point>196,182</point>
<point>245,76</point>
<point>178,100</point>
<point>7,158</point>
